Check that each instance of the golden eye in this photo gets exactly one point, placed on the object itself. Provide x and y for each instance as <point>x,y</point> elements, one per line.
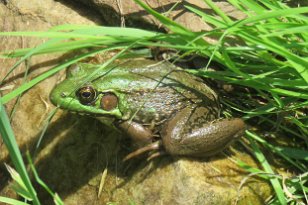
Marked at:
<point>86,95</point>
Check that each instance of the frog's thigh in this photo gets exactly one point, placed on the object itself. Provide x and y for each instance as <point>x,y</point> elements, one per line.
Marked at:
<point>182,135</point>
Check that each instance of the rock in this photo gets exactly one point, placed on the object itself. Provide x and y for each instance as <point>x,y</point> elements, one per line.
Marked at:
<point>189,181</point>
<point>128,13</point>
<point>74,166</point>
<point>76,150</point>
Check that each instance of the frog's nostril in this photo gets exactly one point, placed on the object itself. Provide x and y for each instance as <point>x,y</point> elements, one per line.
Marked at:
<point>63,95</point>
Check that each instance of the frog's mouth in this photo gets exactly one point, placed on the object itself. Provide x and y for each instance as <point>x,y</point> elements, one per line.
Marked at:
<point>68,101</point>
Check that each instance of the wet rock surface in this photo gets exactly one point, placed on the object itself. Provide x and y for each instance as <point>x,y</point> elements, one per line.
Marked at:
<point>76,150</point>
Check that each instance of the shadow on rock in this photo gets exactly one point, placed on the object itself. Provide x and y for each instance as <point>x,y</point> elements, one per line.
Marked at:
<point>83,149</point>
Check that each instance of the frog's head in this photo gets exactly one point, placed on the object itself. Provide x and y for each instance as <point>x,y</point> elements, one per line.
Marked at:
<point>78,94</point>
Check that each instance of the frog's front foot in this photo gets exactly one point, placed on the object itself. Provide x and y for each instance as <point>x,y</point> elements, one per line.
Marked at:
<point>155,149</point>
<point>142,137</point>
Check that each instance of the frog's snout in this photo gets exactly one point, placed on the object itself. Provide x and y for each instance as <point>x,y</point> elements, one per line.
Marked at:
<point>57,97</point>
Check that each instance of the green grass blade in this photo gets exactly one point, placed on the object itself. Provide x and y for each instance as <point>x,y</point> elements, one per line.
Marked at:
<point>294,153</point>
<point>28,54</point>
<point>218,11</point>
<point>61,47</point>
<point>82,36</point>
<point>55,35</point>
<point>173,26</point>
<point>258,85</point>
<point>249,168</point>
<point>11,144</point>
<point>22,192</point>
<point>107,31</point>
<point>207,18</point>
<point>56,198</point>
<point>270,15</point>
<point>12,201</point>
<point>285,152</point>
<point>266,166</point>
<point>291,30</point>
<point>50,72</point>
<point>18,185</point>
<point>297,62</point>
<point>274,181</point>
<point>247,6</point>
<point>88,33</point>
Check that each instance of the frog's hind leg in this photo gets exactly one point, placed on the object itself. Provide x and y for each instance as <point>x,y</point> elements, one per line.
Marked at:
<point>155,146</point>
<point>191,132</point>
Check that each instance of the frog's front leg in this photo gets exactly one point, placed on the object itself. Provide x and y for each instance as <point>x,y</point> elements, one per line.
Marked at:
<point>137,132</point>
<point>192,132</point>
<point>142,137</point>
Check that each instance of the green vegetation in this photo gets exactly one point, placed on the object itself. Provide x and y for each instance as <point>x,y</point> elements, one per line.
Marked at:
<point>271,62</point>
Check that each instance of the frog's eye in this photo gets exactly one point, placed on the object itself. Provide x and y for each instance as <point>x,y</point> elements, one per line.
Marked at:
<point>109,101</point>
<point>86,95</point>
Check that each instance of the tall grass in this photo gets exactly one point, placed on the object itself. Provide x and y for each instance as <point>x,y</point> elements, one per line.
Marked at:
<point>24,184</point>
<point>271,62</point>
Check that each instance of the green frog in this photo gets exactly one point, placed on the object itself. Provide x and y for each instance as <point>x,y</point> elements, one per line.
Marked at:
<point>161,107</point>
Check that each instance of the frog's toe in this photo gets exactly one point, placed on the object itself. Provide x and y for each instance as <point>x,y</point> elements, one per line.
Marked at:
<point>157,153</point>
<point>151,147</point>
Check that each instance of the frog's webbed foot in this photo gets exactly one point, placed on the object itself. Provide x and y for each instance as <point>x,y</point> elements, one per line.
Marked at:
<point>156,147</point>
<point>143,137</point>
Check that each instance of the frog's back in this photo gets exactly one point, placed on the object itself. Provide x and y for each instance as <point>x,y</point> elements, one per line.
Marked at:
<point>159,89</point>
<point>153,74</point>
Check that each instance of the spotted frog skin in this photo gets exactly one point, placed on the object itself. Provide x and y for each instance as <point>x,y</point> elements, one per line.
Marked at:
<point>164,109</point>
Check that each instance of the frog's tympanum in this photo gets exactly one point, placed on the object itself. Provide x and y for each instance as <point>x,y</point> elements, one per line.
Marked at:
<point>161,107</point>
